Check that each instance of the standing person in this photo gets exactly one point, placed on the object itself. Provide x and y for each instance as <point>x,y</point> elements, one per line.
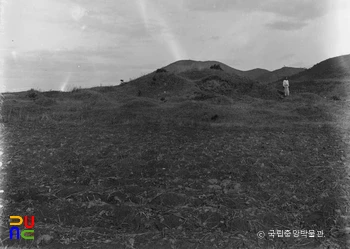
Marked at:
<point>286,87</point>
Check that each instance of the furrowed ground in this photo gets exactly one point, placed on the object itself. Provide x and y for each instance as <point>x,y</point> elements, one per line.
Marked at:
<point>99,171</point>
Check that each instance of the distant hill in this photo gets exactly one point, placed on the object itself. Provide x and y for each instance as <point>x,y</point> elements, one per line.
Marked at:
<point>279,74</point>
<point>254,74</point>
<point>257,74</point>
<point>190,65</point>
<point>333,68</point>
<point>198,81</point>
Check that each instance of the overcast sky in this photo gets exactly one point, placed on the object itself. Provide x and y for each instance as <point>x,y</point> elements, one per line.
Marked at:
<point>61,44</point>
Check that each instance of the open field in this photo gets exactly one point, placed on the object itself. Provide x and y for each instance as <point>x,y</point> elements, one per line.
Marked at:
<point>103,169</point>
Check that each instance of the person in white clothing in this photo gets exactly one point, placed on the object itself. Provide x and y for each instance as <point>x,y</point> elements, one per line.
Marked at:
<point>286,87</point>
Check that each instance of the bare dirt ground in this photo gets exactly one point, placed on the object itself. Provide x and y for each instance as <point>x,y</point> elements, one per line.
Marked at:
<point>103,173</point>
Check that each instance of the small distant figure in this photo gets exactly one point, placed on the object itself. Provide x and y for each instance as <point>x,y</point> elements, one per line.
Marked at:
<point>121,81</point>
<point>286,86</point>
<point>139,93</point>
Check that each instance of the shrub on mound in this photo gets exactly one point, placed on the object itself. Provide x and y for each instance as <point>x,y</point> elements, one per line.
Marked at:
<point>216,67</point>
<point>161,70</point>
<point>32,94</point>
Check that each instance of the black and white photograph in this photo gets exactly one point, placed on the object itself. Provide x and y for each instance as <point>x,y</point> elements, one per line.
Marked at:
<point>175,124</point>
